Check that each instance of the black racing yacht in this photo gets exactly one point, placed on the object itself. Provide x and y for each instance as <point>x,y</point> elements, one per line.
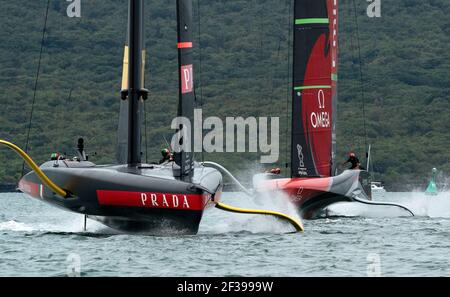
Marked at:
<point>133,196</point>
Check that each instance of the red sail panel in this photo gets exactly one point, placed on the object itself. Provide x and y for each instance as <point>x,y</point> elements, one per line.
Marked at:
<point>317,107</point>
<point>315,65</point>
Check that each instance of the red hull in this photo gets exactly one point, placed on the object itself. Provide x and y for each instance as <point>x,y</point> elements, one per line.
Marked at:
<point>313,195</point>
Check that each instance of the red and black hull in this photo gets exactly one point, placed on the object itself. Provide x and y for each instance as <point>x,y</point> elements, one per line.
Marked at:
<point>313,195</point>
<point>146,199</point>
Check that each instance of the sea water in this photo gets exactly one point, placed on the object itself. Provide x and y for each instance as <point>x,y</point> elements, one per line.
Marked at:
<point>359,240</point>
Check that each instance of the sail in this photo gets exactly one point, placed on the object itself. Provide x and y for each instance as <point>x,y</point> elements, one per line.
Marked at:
<point>185,158</point>
<point>124,115</point>
<point>314,99</point>
<point>122,134</point>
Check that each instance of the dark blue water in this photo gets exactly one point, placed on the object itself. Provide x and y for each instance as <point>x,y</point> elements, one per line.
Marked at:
<point>39,240</point>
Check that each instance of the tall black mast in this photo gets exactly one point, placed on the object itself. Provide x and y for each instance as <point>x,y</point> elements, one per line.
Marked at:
<point>185,159</point>
<point>135,92</point>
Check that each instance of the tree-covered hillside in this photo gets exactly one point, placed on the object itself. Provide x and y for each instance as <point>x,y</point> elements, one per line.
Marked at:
<point>244,72</point>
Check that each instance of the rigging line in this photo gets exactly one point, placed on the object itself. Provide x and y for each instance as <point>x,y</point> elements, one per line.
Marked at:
<point>357,143</point>
<point>36,83</point>
<point>272,87</point>
<point>277,60</point>
<point>62,124</point>
<point>145,133</point>
<point>62,113</point>
<point>361,77</point>
<point>258,24</point>
<point>200,76</point>
<point>261,26</point>
<point>348,43</point>
<point>288,84</point>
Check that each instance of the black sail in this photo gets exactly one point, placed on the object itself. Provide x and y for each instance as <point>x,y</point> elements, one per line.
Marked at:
<point>122,133</point>
<point>314,88</point>
<point>135,14</point>
<point>185,157</point>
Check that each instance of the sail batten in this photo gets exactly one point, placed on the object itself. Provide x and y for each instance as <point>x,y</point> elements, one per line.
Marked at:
<point>312,87</point>
<point>309,21</point>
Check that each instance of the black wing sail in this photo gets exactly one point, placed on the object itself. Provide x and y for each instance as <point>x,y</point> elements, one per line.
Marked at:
<point>122,133</point>
<point>185,157</point>
<point>125,118</point>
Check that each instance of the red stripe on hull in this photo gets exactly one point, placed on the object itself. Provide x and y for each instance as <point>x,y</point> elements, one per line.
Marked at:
<point>153,200</point>
<point>30,188</point>
<point>299,190</point>
<point>288,184</point>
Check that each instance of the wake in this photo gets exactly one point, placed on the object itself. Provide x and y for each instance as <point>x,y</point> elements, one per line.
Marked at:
<point>62,227</point>
<point>218,222</point>
<point>420,204</point>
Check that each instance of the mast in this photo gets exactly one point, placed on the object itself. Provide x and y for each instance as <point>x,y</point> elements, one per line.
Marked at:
<point>314,96</point>
<point>133,85</point>
<point>333,7</point>
<point>185,159</point>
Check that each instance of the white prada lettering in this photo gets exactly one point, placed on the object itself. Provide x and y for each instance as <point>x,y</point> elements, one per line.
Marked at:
<point>164,200</point>
<point>154,200</point>
<point>143,198</point>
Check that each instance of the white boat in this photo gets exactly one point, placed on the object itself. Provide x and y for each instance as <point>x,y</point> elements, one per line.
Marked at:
<point>377,187</point>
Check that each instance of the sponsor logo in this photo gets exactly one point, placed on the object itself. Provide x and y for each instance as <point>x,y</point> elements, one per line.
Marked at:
<point>301,170</point>
<point>321,99</point>
<point>300,155</point>
<point>153,200</point>
<point>168,201</point>
<point>321,118</point>
<point>187,79</point>
<point>299,195</point>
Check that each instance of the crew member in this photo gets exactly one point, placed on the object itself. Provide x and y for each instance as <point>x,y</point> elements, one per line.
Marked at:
<point>275,171</point>
<point>80,150</point>
<point>354,161</point>
<point>166,156</point>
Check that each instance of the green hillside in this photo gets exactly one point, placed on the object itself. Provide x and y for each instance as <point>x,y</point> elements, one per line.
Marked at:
<point>244,58</point>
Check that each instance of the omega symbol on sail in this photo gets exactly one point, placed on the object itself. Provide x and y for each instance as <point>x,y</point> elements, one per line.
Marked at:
<point>321,99</point>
